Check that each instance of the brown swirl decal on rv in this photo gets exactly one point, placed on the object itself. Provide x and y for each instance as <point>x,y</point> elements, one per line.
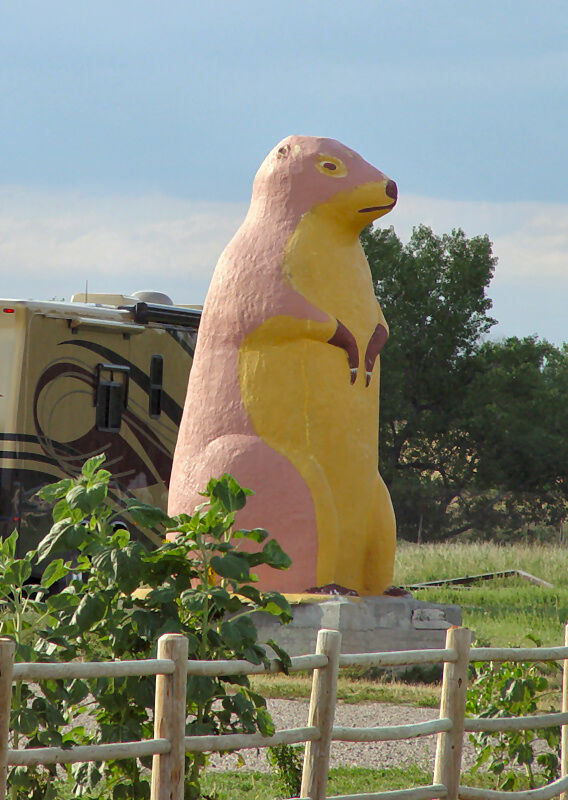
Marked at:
<point>56,391</point>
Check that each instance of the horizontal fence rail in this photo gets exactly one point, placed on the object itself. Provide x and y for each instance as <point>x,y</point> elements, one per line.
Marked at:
<point>217,668</point>
<point>241,741</point>
<point>397,658</point>
<point>544,793</point>
<point>418,793</point>
<point>487,724</point>
<point>391,733</point>
<point>32,671</point>
<point>96,752</point>
<point>518,653</point>
<point>93,669</point>
<point>170,742</point>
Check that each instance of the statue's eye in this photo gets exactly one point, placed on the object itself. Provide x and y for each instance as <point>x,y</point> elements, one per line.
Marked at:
<point>329,165</point>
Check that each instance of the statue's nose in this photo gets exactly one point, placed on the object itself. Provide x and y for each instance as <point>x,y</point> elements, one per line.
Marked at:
<point>391,190</point>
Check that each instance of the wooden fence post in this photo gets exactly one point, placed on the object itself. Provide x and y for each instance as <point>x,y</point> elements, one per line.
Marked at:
<point>452,706</point>
<point>168,770</point>
<point>7,650</point>
<point>321,714</point>
<point>564,728</point>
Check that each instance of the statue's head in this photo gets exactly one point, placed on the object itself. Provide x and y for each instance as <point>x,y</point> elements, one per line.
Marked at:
<point>305,172</point>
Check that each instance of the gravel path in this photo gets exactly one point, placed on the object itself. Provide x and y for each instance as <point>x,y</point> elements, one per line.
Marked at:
<point>294,714</point>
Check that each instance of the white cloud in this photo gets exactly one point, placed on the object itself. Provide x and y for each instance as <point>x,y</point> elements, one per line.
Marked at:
<point>51,242</point>
<point>530,239</point>
<point>530,285</point>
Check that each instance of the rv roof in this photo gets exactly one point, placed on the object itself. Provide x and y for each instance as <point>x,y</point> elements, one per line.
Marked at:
<point>81,311</point>
<point>101,299</point>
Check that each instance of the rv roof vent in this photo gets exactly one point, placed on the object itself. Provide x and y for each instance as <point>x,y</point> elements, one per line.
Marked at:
<point>153,297</point>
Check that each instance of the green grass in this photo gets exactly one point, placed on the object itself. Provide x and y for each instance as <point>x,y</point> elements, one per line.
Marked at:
<point>350,689</point>
<point>425,562</point>
<point>342,780</point>
<point>503,611</point>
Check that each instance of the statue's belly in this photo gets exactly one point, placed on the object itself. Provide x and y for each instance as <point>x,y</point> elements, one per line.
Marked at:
<point>301,402</point>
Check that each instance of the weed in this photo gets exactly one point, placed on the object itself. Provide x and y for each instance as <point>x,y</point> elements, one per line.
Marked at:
<point>513,690</point>
<point>286,762</point>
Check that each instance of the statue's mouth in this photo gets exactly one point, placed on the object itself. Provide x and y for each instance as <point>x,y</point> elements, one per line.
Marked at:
<point>376,208</point>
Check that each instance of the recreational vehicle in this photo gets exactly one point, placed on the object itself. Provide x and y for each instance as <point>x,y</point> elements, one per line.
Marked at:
<point>99,374</point>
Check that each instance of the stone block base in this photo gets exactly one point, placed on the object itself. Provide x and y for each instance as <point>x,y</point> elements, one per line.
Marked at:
<point>367,624</point>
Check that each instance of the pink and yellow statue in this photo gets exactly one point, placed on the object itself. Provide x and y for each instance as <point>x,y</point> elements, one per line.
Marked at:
<point>284,389</point>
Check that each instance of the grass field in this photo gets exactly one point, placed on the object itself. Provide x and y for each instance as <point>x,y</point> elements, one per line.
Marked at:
<point>342,780</point>
<point>350,689</point>
<point>415,563</point>
<point>503,611</point>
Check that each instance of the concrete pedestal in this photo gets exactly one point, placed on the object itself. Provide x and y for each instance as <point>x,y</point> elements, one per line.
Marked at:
<point>367,624</point>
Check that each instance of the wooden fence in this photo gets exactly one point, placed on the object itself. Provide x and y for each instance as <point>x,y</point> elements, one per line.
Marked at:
<point>170,743</point>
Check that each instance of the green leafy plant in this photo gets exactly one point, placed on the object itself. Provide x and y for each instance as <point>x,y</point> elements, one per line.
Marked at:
<point>513,690</point>
<point>36,717</point>
<point>119,596</point>
<point>286,763</point>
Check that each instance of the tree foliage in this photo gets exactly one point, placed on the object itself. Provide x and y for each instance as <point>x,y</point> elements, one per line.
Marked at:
<point>472,431</point>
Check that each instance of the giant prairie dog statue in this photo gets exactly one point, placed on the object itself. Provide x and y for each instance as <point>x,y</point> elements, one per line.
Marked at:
<point>284,389</point>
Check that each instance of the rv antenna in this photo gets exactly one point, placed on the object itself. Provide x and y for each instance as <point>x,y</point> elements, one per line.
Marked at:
<point>87,291</point>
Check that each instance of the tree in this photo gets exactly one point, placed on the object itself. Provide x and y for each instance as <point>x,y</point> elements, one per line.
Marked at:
<point>519,434</point>
<point>457,445</point>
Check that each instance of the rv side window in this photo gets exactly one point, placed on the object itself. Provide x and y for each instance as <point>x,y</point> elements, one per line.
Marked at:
<point>111,396</point>
<point>156,382</point>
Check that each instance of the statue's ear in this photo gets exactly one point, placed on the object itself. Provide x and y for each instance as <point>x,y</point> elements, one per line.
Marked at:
<point>284,151</point>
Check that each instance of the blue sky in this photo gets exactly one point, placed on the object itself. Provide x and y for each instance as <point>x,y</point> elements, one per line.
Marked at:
<point>131,132</point>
